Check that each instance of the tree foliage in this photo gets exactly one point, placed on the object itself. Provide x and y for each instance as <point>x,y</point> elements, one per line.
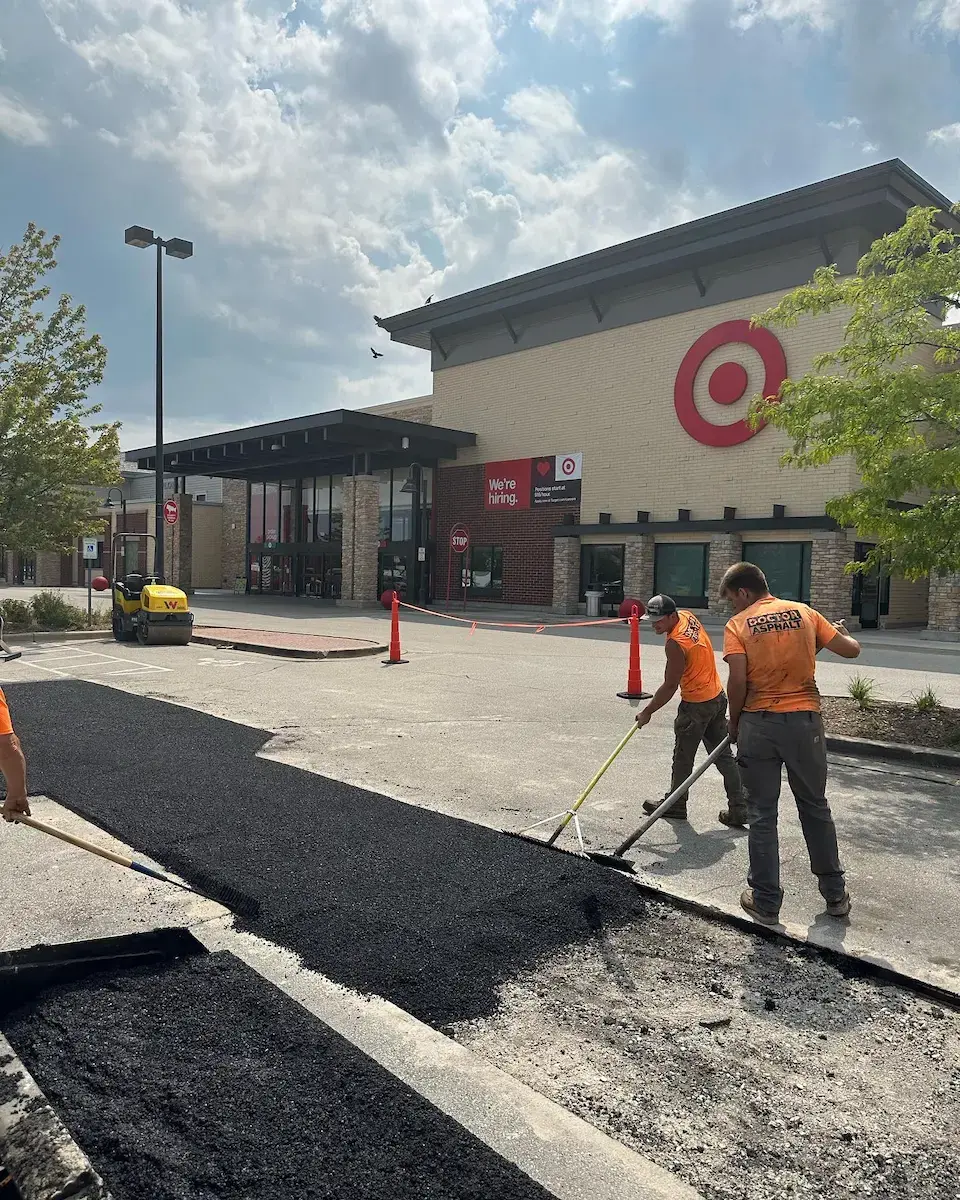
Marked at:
<point>889,397</point>
<point>51,455</point>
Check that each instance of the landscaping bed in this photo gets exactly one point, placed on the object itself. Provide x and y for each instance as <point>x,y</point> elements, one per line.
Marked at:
<point>49,612</point>
<point>887,721</point>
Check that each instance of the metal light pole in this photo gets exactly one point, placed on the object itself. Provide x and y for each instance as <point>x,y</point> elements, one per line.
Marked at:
<point>108,503</point>
<point>137,235</point>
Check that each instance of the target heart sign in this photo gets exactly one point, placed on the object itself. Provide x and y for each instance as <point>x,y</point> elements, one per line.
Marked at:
<point>728,383</point>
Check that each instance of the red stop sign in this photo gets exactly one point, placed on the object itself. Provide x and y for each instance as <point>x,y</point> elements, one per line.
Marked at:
<point>171,511</point>
<point>459,539</point>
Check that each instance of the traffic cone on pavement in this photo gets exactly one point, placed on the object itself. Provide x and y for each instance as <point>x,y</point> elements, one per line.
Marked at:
<point>634,680</point>
<point>394,660</point>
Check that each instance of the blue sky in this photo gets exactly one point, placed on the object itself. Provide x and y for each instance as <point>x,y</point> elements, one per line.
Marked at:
<point>332,159</point>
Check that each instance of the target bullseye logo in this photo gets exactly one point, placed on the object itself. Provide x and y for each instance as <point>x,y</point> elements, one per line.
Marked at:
<point>568,466</point>
<point>728,383</point>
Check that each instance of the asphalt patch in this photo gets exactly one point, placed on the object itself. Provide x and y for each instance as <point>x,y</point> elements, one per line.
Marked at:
<point>202,1080</point>
<point>428,911</point>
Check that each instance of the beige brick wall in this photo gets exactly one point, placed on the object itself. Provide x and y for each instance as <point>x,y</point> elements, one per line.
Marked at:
<point>610,395</point>
<point>417,408</point>
<point>207,545</point>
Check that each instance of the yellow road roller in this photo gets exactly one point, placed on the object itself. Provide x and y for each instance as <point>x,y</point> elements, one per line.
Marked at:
<point>144,607</point>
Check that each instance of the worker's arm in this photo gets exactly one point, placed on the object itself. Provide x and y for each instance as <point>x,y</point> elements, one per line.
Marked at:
<point>842,643</point>
<point>668,689</point>
<point>14,768</point>
<point>736,692</point>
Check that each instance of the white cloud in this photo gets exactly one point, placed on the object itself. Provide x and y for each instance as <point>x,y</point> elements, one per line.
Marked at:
<point>21,124</point>
<point>818,13</point>
<point>620,82</point>
<point>946,134</point>
<point>845,123</point>
<point>602,16</point>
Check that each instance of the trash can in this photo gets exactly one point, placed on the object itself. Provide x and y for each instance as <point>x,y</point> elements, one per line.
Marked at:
<point>593,603</point>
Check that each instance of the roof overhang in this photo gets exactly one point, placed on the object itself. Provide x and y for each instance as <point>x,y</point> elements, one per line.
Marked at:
<point>339,441</point>
<point>875,198</point>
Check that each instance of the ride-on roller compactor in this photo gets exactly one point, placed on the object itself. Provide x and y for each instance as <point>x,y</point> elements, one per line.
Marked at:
<point>144,607</point>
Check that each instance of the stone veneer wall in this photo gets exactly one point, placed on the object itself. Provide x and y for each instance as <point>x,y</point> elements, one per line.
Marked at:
<point>178,547</point>
<point>233,560</point>
<point>566,575</point>
<point>725,550</point>
<point>361,539</point>
<point>831,588</point>
<point>638,568</point>
<point>944,610</point>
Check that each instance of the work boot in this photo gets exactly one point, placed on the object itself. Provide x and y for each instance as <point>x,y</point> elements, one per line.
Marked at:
<point>749,904</point>
<point>677,812</point>
<point>733,817</point>
<point>840,907</point>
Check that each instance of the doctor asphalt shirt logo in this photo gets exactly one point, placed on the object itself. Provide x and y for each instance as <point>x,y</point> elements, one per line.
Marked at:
<point>786,621</point>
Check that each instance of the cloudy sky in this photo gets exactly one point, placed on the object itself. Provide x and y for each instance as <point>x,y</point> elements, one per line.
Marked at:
<point>332,159</point>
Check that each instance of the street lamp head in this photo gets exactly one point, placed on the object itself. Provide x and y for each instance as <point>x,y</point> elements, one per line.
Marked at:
<point>137,235</point>
<point>108,503</point>
<point>178,248</point>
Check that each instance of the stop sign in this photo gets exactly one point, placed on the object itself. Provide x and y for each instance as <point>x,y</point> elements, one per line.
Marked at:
<point>459,539</point>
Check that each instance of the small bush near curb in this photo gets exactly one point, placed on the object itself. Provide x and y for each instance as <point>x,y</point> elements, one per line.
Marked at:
<point>927,701</point>
<point>49,612</point>
<point>862,691</point>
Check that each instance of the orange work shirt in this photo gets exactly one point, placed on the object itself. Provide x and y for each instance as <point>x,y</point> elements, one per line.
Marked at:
<point>701,679</point>
<point>6,725</point>
<point>780,639</point>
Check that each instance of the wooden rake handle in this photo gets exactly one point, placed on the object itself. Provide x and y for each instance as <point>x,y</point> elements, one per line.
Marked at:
<point>79,842</point>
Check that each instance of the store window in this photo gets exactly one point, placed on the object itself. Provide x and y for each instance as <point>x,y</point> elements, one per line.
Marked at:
<point>256,513</point>
<point>486,572</point>
<point>786,566</point>
<point>680,570</point>
<point>271,504</point>
<point>336,508</point>
<point>288,512</point>
<point>384,533</point>
<point>601,570</point>
<point>402,508</point>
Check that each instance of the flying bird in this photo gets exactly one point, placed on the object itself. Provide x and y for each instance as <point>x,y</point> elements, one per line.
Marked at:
<point>429,299</point>
<point>379,320</point>
<point>375,353</point>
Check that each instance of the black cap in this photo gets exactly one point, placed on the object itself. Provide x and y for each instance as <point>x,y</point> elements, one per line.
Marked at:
<point>659,606</point>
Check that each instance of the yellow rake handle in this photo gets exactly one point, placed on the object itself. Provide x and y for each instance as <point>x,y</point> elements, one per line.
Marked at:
<point>591,785</point>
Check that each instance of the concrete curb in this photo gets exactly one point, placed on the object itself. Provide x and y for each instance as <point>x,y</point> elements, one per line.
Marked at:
<point>67,635</point>
<point>919,756</point>
<point>206,639</point>
<point>35,1146</point>
<point>943,991</point>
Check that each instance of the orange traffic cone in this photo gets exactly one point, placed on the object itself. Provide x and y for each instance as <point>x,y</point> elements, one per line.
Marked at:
<point>394,660</point>
<point>634,680</point>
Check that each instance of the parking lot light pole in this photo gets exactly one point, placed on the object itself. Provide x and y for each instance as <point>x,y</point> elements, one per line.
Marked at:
<point>108,503</point>
<point>139,236</point>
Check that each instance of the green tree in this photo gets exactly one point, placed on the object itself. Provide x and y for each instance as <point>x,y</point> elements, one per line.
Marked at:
<point>51,454</point>
<point>889,397</point>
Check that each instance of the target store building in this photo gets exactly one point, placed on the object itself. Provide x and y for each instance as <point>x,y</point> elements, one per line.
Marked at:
<point>608,397</point>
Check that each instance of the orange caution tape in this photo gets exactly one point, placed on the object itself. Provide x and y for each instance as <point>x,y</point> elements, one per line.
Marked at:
<point>512,624</point>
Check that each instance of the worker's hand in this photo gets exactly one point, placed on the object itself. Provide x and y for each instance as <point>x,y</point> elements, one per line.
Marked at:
<point>732,730</point>
<point>841,627</point>
<point>643,718</point>
<point>15,806</point>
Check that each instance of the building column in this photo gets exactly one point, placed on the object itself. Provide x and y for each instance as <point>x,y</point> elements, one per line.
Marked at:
<point>831,588</point>
<point>178,547</point>
<point>726,549</point>
<point>361,540</point>
<point>566,575</point>
<point>944,610</point>
<point>638,568</point>
<point>48,568</point>
<point>233,515</point>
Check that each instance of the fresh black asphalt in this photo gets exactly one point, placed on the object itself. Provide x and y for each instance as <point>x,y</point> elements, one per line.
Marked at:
<point>201,1080</point>
<point>428,911</point>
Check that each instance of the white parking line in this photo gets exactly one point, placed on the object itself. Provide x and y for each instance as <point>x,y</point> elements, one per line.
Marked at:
<point>84,662</point>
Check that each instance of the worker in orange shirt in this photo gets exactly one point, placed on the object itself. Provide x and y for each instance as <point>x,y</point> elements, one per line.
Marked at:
<point>14,768</point>
<point>771,647</point>
<point>702,715</point>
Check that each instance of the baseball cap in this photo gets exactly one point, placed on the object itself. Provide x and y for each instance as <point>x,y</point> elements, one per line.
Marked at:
<point>657,607</point>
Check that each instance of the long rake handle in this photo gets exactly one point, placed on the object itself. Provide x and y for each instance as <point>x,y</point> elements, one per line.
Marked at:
<point>591,785</point>
<point>81,844</point>
<point>677,792</point>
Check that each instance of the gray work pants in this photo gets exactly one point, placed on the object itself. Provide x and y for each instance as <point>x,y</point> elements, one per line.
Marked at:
<point>768,742</point>
<point>704,721</point>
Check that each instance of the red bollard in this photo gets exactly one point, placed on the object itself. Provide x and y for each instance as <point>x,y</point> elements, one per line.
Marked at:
<point>394,660</point>
<point>634,681</point>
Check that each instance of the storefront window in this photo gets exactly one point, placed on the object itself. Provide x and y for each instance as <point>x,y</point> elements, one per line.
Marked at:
<point>486,572</point>
<point>288,516</point>
<point>402,508</point>
<point>680,571</point>
<point>255,572</point>
<point>306,510</point>
<point>321,509</point>
<point>601,570</point>
<point>256,513</point>
<point>384,477</point>
<point>271,530</point>
<point>786,566</point>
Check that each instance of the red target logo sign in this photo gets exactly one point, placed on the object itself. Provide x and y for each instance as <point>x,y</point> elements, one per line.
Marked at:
<point>728,383</point>
<point>569,466</point>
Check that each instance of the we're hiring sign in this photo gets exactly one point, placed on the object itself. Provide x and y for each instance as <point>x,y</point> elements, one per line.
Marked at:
<point>532,482</point>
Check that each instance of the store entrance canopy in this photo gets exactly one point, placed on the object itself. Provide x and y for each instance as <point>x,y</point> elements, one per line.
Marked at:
<point>338,442</point>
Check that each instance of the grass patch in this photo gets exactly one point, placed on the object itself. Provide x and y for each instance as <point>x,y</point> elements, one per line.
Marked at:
<point>862,692</point>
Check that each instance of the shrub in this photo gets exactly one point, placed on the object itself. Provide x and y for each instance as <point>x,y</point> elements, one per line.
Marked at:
<point>53,612</point>
<point>17,614</point>
<point>927,701</point>
<point>862,691</point>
